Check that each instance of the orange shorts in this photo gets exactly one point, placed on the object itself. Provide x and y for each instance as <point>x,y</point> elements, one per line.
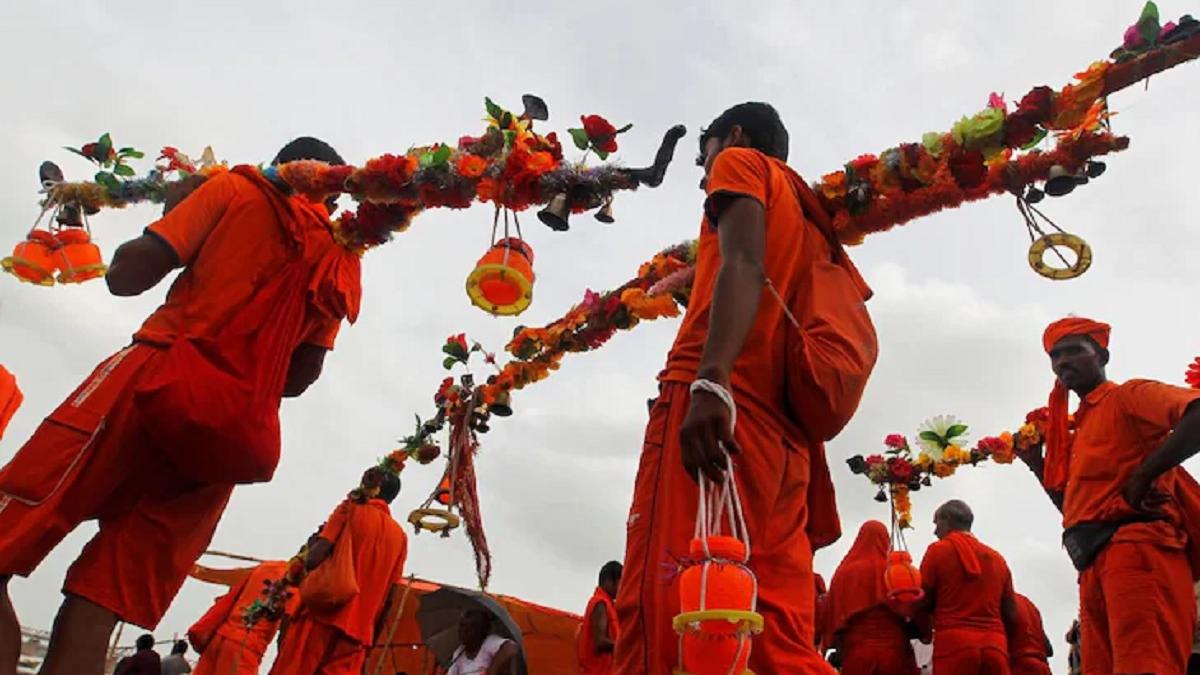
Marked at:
<point>89,461</point>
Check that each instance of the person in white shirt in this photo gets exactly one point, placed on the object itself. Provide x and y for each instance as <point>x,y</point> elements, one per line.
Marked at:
<point>481,652</point>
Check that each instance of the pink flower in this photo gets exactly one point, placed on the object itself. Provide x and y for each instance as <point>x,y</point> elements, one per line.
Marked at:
<point>1170,26</point>
<point>895,441</point>
<point>997,101</point>
<point>1133,37</point>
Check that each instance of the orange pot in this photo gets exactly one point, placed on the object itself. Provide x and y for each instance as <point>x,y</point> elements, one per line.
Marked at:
<point>79,259</point>
<point>34,260</point>
<point>902,579</point>
<point>720,646</point>
<point>443,492</point>
<point>502,281</point>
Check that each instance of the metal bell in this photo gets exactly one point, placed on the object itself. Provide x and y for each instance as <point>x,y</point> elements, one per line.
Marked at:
<point>502,406</point>
<point>1096,169</point>
<point>1061,182</point>
<point>555,215</point>
<point>1034,195</point>
<point>605,214</point>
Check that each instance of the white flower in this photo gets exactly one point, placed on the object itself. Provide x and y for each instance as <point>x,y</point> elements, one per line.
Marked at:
<point>936,434</point>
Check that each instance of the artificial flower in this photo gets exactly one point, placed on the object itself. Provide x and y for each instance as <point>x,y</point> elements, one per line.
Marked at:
<point>471,166</point>
<point>938,433</point>
<point>1193,374</point>
<point>601,133</point>
<point>1037,104</point>
<point>896,441</point>
<point>997,101</point>
<point>968,169</point>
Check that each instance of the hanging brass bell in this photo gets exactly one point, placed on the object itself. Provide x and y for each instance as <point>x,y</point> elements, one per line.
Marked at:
<point>502,406</point>
<point>1061,182</point>
<point>605,214</point>
<point>1096,169</point>
<point>1034,195</point>
<point>555,215</point>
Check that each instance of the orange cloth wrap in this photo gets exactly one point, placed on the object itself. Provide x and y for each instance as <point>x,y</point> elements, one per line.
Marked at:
<point>590,661</point>
<point>314,648</point>
<point>968,582</point>
<point>857,584</point>
<point>1027,642</point>
<point>10,398</point>
<point>234,648</point>
<point>1058,439</point>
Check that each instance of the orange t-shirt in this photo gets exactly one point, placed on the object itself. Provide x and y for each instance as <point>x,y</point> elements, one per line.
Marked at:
<point>963,601</point>
<point>380,550</point>
<point>1116,427</point>
<point>229,240</point>
<point>1029,636</point>
<point>792,243</point>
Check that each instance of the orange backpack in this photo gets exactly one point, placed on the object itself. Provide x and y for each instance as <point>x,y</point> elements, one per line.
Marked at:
<point>834,350</point>
<point>333,583</point>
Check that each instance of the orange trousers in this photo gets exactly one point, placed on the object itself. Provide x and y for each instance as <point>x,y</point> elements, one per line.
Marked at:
<point>1029,665</point>
<point>230,656</point>
<point>968,652</point>
<point>1137,610</point>
<point>313,648</point>
<point>773,475</point>
<point>865,656</point>
<point>90,460</point>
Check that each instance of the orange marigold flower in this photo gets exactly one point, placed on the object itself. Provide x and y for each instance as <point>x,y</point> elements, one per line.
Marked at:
<point>472,166</point>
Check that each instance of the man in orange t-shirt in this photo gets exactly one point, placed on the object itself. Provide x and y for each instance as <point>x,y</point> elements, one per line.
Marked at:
<point>1131,514</point>
<point>598,634</point>
<point>225,644</point>
<point>868,636</point>
<point>968,589</point>
<point>1029,650</point>
<point>335,642</point>
<point>731,346</point>
<point>91,459</point>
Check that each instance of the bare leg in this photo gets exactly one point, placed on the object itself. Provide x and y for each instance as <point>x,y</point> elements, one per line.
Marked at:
<point>10,631</point>
<point>79,641</point>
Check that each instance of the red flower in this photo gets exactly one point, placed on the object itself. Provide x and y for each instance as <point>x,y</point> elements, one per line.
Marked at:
<point>1019,129</point>
<point>901,469</point>
<point>465,142</point>
<point>1038,416</point>
<point>968,169</point>
<point>600,132</point>
<point>896,442</point>
<point>863,164</point>
<point>553,146</point>
<point>1193,374</point>
<point>1037,104</point>
<point>872,460</point>
<point>460,340</point>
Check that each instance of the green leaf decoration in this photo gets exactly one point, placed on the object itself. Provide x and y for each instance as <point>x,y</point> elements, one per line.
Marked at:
<point>1148,23</point>
<point>625,128</point>
<point>442,155</point>
<point>581,138</point>
<point>76,151</point>
<point>956,430</point>
<point>493,110</point>
<point>1037,138</point>
<point>601,154</point>
<point>103,147</point>
<point>449,362</point>
<point>930,436</point>
<point>107,180</point>
<point>124,170</point>
<point>131,153</point>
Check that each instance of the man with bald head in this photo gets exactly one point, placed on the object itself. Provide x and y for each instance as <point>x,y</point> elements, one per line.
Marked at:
<point>1131,515</point>
<point>968,590</point>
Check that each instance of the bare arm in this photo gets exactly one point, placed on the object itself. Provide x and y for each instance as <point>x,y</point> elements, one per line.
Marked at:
<point>307,363</point>
<point>1181,444</point>
<point>1034,459</point>
<point>505,660</point>
<point>138,265</point>
<point>598,620</point>
<point>384,612</point>
<point>318,551</point>
<point>742,235</point>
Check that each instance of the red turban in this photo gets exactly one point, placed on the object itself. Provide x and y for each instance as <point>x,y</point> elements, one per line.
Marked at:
<point>1058,439</point>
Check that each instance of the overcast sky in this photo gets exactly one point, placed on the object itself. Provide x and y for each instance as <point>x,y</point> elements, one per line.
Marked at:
<point>959,312</point>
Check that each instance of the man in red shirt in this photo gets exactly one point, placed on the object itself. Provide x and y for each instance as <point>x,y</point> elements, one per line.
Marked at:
<point>598,634</point>
<point>968,588</point>
<point>335,641</point>
<point>1131,514</point>
<point>731,346</point>
<point>1029,650</point>
<point>144,661</point>
<point>93,458</point>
